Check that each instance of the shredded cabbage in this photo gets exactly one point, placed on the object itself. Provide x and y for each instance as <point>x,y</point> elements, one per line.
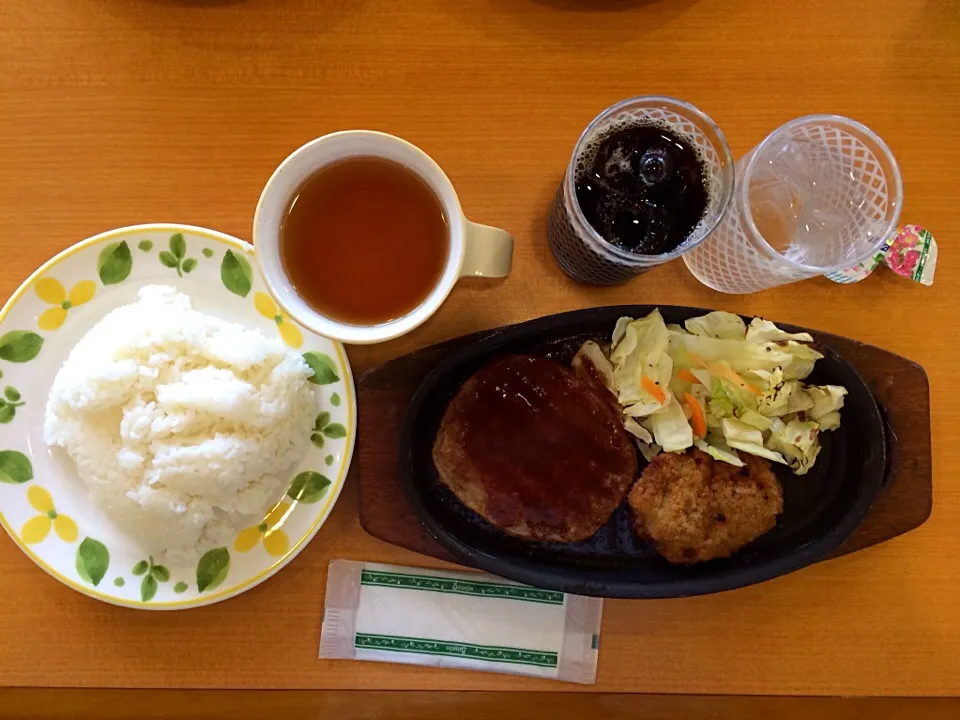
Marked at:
<point>637,430</point>
<point>747,379</point>
<point>593,353</point>
<point>721,401</point>
<point>649,450</point>
<point>737,431</point>
<point>830,421</point>
<point>755,419</point>
<point>641,350</point>
<point>758,450</point>
<point>826,399</point>
<point>799,442</point>
<point>761,330</point>
<point>719,450</point>
<point>719,325</point>
<point>671,430</point>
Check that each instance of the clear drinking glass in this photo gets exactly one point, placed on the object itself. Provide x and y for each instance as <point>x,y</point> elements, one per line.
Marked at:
<point>582,252</point>
<point>818,195</point>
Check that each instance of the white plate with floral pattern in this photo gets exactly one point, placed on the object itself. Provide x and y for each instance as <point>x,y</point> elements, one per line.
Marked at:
<point>43,506</point>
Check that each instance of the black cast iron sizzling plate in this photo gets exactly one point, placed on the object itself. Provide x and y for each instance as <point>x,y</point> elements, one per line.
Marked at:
<point>821,509</point>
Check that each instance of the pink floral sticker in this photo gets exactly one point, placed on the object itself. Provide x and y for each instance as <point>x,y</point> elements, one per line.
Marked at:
<point>910,253</point>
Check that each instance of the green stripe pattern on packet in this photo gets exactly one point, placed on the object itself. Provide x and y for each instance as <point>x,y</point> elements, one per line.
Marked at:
<point>925,237</point>
<point>454,586</point>
<point>469,651</point>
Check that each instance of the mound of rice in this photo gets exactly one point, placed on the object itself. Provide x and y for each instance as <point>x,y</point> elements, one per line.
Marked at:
<point>183,427</point>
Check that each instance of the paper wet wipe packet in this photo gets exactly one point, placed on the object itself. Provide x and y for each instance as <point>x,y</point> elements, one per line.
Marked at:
<point>458,620</point>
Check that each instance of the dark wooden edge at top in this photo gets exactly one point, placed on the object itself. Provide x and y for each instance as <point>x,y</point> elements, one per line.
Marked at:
<point>899,385</point>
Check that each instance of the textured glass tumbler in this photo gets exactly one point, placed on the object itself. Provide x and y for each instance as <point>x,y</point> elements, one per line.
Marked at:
<point>582,252</point>
<point>819,194</point>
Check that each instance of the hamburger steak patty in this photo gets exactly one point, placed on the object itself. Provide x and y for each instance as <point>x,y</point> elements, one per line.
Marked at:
<point>694,508</point>
<point>535,450</point>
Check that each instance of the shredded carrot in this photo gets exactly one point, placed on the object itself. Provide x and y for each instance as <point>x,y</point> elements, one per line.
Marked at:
<point>721,369</point>
<point>697,421</point>
<point>651,387</point>
<point>687,376</point>
<point>725,371</point>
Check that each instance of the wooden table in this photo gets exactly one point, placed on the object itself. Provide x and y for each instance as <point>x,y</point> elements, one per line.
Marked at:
<point>114,112</point>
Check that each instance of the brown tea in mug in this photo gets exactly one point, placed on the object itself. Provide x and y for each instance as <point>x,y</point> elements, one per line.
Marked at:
<point>364,241</point>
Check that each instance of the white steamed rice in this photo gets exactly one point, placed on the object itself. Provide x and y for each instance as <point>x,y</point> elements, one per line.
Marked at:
<point>183,427</point>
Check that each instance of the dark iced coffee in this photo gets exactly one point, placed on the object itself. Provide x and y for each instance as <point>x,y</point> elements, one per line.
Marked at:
<point>650,178</point>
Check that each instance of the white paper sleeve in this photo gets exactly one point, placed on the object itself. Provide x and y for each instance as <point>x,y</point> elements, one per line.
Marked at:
<point>465,620</point>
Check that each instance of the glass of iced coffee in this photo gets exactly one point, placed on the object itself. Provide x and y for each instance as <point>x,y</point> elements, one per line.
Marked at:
<point>650,178</point>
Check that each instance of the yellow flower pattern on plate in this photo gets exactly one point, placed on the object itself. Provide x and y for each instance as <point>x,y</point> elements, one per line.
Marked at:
<point>275,540</point>
<point>288,331</point>
<point>36,529</point>
<point>52,291</point>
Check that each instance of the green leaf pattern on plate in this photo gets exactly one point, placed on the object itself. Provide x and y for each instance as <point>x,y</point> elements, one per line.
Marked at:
<point>322,427</point>
<point>20,346</point>
<point>180,587</point>
<point>15,467</point>
<point>115,263</point>
<point>92,561</point>
<point>213,569</point>
<point>176,257</point>
<point>323,366</point>
<point>145,246</point>
<point>236,273</point>
<point>308,487</point>
<point>148,588</point>
<point>334,431</point>
<point>178,246</point>
<point>152,575</point>
<point>9,403</point>
<point>323,419</point>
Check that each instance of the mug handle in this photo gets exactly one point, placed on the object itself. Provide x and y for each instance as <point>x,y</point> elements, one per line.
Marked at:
<point>488,251</point>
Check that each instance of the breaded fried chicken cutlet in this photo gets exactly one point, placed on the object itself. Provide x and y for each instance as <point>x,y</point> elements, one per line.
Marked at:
<point>694,508</point>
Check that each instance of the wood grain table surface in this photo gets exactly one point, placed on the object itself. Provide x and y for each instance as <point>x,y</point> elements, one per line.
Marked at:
<point>115,112</point>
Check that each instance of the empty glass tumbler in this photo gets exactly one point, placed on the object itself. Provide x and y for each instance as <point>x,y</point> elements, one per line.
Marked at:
<point>593,256</point>
<point>818,195</point>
